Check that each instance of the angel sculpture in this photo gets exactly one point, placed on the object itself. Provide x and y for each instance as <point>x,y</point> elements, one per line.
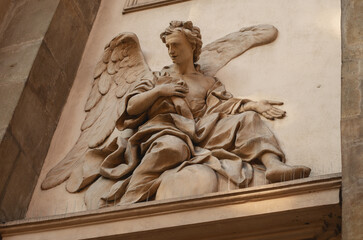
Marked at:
<point>178,132</point>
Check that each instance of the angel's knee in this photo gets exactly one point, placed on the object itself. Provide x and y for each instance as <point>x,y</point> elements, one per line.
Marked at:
<point>170,148</point>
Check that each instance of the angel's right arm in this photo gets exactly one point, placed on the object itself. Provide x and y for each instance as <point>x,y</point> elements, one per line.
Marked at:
<point>139,103</point>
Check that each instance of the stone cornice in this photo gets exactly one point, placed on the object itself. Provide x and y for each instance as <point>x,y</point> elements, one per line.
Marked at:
<point>157,208</point>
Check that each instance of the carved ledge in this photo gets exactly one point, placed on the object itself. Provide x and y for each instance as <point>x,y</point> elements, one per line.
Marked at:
<point>300,209</point>
<point>138,5</point>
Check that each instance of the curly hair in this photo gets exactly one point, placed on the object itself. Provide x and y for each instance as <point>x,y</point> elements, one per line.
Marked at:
<point>192,33</point>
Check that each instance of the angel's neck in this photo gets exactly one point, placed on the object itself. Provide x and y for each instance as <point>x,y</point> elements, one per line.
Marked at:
<point>184,69</point>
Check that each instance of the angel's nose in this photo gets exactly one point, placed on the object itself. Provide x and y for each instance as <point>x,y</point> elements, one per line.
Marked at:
<point>171,50</point>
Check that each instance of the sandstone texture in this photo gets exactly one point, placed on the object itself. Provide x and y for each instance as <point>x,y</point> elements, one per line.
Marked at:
<point>41,45</point>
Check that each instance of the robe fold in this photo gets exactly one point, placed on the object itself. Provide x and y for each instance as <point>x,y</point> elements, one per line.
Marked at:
<point>175,132</point>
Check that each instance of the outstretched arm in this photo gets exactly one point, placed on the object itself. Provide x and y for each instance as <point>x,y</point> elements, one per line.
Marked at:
<point>141,102</point>
<point>265,108</point>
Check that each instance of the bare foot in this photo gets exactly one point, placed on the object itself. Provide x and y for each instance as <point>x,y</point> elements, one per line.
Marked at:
<point>284,172</point>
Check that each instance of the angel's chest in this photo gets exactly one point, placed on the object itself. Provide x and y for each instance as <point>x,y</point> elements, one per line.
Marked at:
<point>196,89</point>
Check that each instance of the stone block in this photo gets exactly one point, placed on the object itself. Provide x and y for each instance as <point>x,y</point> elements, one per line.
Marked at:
<point>353,24</point>
<point>351,96</point>
<point>2,217</point>
<point>2,133</point>
<point>88,10</point>
<point>19,189</point>
<point>49,82</point>
<point>67,47</point>
<point>351,68</point>
<point>352,52</point>
<point>30,21</point>
<point>32,127</point>
<point>352,160</point>
<point>352,129</point>
<point>9,151</point>
<point>15,63</point>
<point>4,7</point>
<point>9,98</point>
<point>353,210</point>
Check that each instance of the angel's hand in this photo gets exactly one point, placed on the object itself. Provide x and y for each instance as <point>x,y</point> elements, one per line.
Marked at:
<point>178,89</point>
<point>266,108</point>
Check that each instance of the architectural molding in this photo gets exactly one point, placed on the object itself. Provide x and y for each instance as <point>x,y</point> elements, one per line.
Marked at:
<point>138,5</point>
<point>310,202</point>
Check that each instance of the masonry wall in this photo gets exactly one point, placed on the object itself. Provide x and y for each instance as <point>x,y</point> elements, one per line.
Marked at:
<point>352,118</point>
<point>41,44</point>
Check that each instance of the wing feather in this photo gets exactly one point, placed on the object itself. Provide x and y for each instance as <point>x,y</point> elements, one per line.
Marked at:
<point>113,75</point>
<point>92,116</point>
<point>104,82</point>
<point>100,67</point>
<point>94,97</point>
<point>218,53</point>
<point>106,55</point>
<point>63,169</point>
<point>106,122</point>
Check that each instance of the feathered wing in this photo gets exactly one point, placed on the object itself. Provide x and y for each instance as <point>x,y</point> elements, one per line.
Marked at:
<point>122,64</point>
<point>217,54</point>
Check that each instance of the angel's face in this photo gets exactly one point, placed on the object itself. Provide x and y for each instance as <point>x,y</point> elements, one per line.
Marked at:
<point>180,50</point>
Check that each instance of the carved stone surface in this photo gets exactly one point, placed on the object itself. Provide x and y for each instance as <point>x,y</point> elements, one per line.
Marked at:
<point>178,128</point>
<point>137,5</point>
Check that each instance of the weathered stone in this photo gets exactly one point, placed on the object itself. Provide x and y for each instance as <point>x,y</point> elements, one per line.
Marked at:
<point>15,64</point>
<point>49,82</point>
<point>352,160</point>
<point>4,6</point>
<point>30,22</point>
<point>353,23</point>
<point>353,195</point>
<point>2,133</point>
<point>19,188</point>
<point>67,47</point>
<point>350,69</point>
<point>32,127</point>
<point>88,10</point>
<point>38,106</point>
<point>351,95</point>
<point>352,120</point>
<point>9,98</point>
<point>352,129</point>
<point>9,151</point>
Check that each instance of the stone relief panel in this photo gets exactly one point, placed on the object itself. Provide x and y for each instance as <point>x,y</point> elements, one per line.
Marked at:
<point>300,66</point>
<point>176,132</point>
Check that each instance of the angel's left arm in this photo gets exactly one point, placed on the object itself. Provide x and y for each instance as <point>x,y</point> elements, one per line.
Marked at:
<point>219,100</point>
<point>265,108</point>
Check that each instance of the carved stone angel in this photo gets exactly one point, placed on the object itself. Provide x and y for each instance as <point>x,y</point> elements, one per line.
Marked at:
<point>177,132</point>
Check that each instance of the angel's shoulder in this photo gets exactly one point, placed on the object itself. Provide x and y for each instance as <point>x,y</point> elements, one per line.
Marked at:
<point>208,81</point>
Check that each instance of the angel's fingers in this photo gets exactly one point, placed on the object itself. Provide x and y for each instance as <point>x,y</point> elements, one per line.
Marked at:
<point>179,94</point>
<point>272,102</point>
<point>181,87</point>
<point>272,113</point>
<point>266,115</point>
<point>181,90</point>
<point>278,111</point>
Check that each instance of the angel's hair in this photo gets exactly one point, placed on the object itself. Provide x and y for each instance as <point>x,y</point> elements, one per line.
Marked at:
<point>191,32</point>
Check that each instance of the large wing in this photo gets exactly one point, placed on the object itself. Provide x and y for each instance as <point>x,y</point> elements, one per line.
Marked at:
<point>218,53</point>
<point>121,66</point>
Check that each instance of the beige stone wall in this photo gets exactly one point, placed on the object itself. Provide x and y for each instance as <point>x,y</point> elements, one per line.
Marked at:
<point>301,68</point>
